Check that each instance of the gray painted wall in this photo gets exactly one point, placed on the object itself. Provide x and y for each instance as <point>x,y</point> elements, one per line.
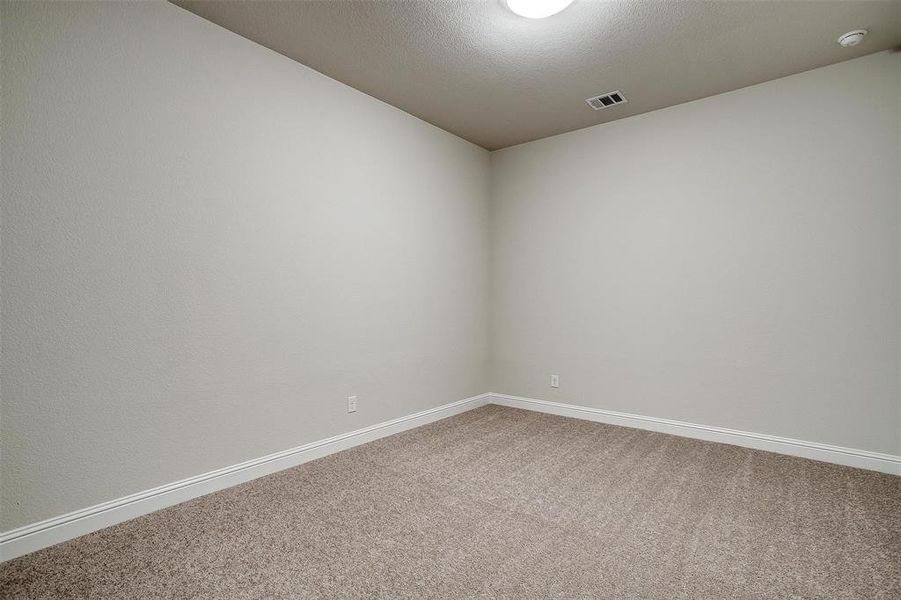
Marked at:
<point>206,247</point>
<point>732,261</point>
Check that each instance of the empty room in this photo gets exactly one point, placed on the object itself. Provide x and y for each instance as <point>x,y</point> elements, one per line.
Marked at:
<point>513,299</point>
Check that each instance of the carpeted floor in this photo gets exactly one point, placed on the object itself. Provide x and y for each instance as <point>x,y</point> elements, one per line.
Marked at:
<point>503,503</point>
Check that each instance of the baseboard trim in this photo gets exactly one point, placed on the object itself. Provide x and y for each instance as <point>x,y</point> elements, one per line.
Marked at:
<point>851,457</point>
<point>30,538</point>
<point>36,536</point>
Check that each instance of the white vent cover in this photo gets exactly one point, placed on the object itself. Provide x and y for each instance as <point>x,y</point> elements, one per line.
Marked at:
<point>605,100</point>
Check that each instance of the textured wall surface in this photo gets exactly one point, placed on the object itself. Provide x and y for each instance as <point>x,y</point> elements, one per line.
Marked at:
<point>206,247</point>
<point>731,262</point>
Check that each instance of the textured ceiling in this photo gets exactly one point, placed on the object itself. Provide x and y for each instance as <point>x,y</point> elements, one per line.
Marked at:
<point>496,79</point>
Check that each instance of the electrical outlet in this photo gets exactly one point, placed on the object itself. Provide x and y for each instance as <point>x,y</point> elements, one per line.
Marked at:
<point>351,404</point>
<point>555,381</point>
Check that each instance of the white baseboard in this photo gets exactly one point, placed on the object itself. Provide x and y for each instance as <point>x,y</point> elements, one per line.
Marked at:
<point>851,457</point>
<point>65,527</point>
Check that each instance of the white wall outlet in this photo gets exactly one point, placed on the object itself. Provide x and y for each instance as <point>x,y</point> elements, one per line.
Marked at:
<point>351,404</point>
<point>555,381</point>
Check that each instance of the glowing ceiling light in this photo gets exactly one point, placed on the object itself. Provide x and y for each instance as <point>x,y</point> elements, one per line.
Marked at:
<point>537,9</point>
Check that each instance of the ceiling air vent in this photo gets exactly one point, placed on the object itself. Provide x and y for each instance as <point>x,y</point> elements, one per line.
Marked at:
<point>605,100</point>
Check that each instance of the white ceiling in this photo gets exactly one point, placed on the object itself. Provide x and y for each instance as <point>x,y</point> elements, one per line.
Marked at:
<point>497,79</point>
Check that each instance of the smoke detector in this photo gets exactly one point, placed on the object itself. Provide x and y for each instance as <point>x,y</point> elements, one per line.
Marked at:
<point>852,38</point>
<point>605,100</point>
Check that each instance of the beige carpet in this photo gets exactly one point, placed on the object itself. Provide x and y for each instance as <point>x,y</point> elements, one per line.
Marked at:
<point>503,503</point>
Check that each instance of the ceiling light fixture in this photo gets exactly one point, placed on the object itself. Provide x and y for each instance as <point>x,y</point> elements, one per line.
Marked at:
<point>537,9</point>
